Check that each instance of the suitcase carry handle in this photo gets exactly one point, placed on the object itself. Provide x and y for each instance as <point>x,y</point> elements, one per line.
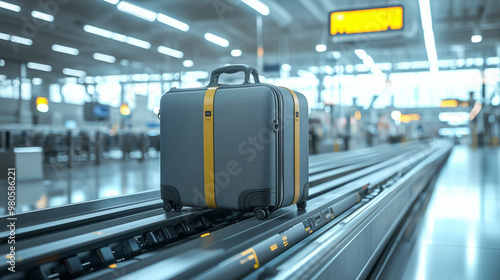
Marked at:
<point>230,69</point>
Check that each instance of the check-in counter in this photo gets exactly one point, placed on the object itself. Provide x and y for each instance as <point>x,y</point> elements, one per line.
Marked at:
<point>26,160</point>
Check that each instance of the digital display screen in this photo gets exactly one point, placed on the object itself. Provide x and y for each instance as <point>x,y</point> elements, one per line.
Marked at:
<point>94,111</point>
<point>366,20</point>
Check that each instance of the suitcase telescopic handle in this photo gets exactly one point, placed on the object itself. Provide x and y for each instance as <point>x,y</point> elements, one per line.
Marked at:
<point>231,69</point>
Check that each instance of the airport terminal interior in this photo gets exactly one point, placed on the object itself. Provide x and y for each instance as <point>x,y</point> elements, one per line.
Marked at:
<point>398,147</point>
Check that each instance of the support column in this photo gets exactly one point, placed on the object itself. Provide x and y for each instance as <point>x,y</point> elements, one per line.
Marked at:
<point>260,47</point>
<point>98,150</point>
<point>69,136</point>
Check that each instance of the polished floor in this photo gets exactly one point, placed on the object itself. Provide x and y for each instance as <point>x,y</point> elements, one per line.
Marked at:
<point>84,182</point>
<point>458,235</point>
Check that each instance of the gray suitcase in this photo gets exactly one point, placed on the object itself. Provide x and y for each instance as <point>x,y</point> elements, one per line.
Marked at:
<point>236,147</point>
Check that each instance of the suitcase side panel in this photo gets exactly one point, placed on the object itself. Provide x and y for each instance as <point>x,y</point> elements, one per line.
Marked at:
<point>304,146</point>
<point>288,147</point>
<point>245,148</point>
<point>181,147</point>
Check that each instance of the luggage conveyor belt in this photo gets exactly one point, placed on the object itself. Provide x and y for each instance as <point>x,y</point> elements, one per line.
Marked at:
<point>111,245</point>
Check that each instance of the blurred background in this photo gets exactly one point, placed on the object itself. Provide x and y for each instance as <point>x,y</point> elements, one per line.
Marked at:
<point>81,81</point>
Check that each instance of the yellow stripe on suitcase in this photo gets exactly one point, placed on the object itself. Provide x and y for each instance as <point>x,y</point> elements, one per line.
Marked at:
<point>208,146</point>
<point>296,145</point>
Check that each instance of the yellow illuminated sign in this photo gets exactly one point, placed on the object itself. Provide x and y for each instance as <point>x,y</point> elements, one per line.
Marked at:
<point>42,104</point>
<point>366,20</point>
<point>42,100</point>
<point>449,103</point>
<point>125,109</point>
<point>357,115</point>
<point>407,118</point>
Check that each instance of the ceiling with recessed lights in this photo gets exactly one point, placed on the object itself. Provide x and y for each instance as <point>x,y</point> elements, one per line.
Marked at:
<point>94,37</point>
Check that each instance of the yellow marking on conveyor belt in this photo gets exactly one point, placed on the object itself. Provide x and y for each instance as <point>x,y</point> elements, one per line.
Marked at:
<point>100,233</point>
<point>205,234</point>
<point>251,255</point>
<point>208,146</point>
<point>274,247</point>
<point>112,265</point>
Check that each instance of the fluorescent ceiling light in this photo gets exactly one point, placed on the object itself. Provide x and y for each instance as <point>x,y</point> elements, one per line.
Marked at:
<point>376,71</point>
<point>395,115</point>
<point>216,40</point>
<point>21,40</point>
<point>188,63</point>
<point>430,45</point>
<point>138,43</point>
<point>336,54</point>
<point>74,72</point>
<point>327,69</point>
<point>9,6</point>
<point>36,81</point>
<point>173,22</point>
<point>236,53</point>
<point>39,66</point>
<point>313,69</point>
<point>64,49</point>
<point>368,62</point>
<point>104,57</point>
<point>260,7</point>
<point>42,16</point>
<point>98,31</point>
<point>137,11</point>
<point>4,36</point>
<point>489,61</point>
<point>114,2</point>
<point>117,36</point>
<point>286,67</point>
<point>360,53</point>
<point>476,38</point>
<point>321,48</point>
<point>2,63</point>
<point>170,52</point>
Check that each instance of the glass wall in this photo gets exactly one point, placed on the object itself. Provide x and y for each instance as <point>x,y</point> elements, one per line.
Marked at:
<point>403,90</point>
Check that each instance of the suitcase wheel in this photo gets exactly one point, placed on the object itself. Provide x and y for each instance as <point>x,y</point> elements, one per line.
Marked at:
<point>301,206</point>
<point>261,214</point>
<point>177,207</point>
<point>168,206</point>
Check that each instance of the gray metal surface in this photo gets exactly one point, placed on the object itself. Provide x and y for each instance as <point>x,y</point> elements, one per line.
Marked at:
<point>458,235</point>
<point>349,250</point>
